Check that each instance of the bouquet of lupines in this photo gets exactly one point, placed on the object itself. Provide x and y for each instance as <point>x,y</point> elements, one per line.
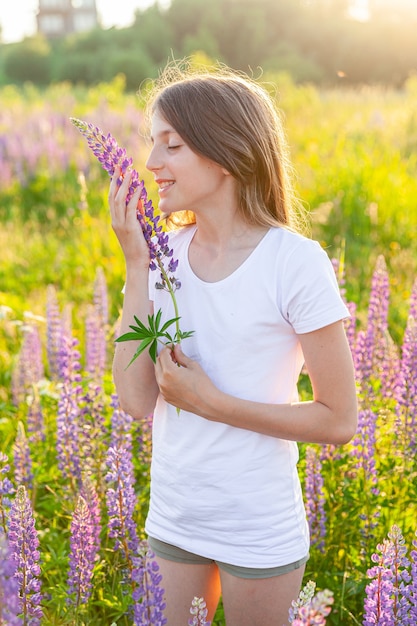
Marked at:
<point>110,155</point>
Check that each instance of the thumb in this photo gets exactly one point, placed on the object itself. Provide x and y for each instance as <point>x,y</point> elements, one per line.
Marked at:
<point>180,357</point>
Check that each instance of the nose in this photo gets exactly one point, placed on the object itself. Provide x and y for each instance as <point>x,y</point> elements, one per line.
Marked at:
<point>153,162</point>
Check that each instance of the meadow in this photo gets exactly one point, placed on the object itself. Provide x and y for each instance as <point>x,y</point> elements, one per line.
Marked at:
<point>73,465</point>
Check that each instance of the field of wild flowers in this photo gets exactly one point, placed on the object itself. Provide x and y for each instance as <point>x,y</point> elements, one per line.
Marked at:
<point>74,468</point>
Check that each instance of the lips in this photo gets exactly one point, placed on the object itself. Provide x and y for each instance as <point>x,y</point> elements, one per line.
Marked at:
<point>164,184</point>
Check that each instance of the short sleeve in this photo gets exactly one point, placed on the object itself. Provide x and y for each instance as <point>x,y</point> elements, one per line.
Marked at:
<point>310,294</point>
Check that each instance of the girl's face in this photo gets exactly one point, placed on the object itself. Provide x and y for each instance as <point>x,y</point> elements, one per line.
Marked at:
<point>186,180</point>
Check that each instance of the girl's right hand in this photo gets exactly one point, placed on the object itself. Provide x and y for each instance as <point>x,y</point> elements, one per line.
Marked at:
<point>124,220</point>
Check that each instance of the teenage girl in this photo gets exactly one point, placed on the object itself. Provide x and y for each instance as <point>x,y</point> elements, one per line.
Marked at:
<point>226,511</point>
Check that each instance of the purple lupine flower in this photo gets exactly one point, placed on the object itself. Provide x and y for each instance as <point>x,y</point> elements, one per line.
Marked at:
<point>68,426</point>
<point>100,297</point>
<point>148,596</point>
<point>121,426</point>
<point>22,460</point>
<point>24,544</point>
<point>95,348</point>
<point>9,586</point>
<point>413,582</point>
<point>82,555</point>
<point>110,155</point>
<point>35,420</point>
<point>145,443</point>
<point>315,499</point>
<point>413,301</point>
<point>91,429</point>
<point>29,367</point>
<point>386,600</point>
<point>199,612</point>
<point>401,577</point>
<point>121,502</point>
<point>6,490</point>
<point>406,392</point>
<point>378,356</point>
<point>89,493</point>
<point>54,332</point>
<point>364,445</point>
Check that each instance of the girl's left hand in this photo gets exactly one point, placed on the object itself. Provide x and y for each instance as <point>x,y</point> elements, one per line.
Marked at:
<point>186,387</point>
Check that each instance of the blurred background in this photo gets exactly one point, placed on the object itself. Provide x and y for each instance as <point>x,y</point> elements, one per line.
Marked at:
<point>321,41</point>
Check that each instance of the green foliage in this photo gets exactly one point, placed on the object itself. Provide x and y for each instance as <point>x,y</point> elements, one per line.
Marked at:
<point>29,61</point>
<point>314,41</point>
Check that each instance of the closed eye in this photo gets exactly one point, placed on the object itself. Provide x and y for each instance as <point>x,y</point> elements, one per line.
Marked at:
<point>174,147</point>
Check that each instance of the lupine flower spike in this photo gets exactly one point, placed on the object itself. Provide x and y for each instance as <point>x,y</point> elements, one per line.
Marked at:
<point>199,612</point>
<point>82,555</point>
<point>110,156</point>
<point>24,544</point>
<point>311,609</point>
<point>9,586</point>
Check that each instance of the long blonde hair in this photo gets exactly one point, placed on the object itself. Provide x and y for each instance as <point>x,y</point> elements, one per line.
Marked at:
<point>231,120</point>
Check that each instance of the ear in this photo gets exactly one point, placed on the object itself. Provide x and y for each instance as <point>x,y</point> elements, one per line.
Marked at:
<point>225,172</point>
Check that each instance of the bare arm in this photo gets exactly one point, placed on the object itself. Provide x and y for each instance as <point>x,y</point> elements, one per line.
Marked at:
<point>331,417</point>
<point>136,386</point>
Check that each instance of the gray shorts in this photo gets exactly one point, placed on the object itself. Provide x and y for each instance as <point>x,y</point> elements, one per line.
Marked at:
<point>172,553</point>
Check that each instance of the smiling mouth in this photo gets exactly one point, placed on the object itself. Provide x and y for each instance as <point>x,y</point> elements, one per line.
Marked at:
<point>165,185</point>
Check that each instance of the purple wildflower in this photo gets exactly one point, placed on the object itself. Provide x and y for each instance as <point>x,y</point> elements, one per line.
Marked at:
<point>413,583</point>
<point>386,600</point>
<point>54,332</point>
<point>145,443</point>
<point>95,345</point>
<point>96,324</point>
<point>148,596</point>
<point>89,493</point>
<point>121,503</point>
<point>364,445</point>
<point>24,543</point>
<point>121,426</point>
<point>413,301</point>
<point>34,418</point>
<point>377,356</point>
<point>6,490</point>
<point>91,429</point>
<point>315,499</point>
<point>199,612</point>
<point>101,297</point>
<point>82,555</point>
<point>110,155</point>
<point>406,392</point>
<point>22,459</point>
<point>29,368</point>
<point>9,586</point>
<point>68,426</point>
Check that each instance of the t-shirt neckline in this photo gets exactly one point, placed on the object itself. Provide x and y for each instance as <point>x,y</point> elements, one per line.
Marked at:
<point>230,276</point>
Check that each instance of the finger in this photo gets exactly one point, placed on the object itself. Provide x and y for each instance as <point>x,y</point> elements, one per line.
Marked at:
<point>180,357</point>
<point>115,181</point>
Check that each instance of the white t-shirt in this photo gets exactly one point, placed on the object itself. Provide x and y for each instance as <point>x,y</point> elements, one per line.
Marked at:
<point>223,492</point>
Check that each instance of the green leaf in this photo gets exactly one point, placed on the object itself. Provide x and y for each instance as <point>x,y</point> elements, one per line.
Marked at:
<point>169,323</point>
<point>152,350</point>
<point>128,337</point>
<point>142,347</point>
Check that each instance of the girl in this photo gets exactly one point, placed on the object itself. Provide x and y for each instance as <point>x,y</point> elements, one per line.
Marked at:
<point>226,512</point>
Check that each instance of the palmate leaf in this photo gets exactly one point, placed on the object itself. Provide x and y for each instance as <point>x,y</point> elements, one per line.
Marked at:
<point>151,334</point>
<point>142,347</point>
